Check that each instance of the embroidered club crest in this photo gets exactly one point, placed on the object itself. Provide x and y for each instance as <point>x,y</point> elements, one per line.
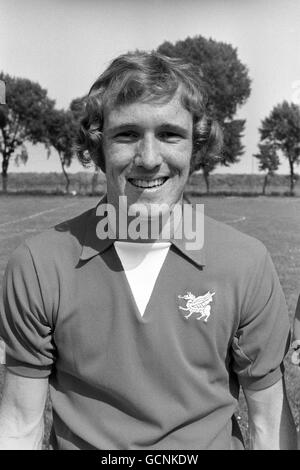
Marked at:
<point>198,304</point>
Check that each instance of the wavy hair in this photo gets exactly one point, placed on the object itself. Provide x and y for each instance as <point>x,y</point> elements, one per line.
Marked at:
<point>147,77</point>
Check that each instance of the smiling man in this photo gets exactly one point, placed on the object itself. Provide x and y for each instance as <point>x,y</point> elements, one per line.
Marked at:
<point>145,343</point>
<point>148,148</point>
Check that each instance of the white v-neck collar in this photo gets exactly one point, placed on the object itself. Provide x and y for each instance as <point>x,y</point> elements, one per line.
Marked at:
<point>142,263</point>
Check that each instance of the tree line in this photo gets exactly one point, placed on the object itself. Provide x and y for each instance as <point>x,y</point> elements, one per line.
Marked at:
<point>29,115</point>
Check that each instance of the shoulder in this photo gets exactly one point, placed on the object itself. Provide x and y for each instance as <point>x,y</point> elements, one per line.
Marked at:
<point>230,245</point>
<point>61,242</point>
<point>226,235</point>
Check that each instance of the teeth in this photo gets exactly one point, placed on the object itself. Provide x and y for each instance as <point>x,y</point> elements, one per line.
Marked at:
<point>147,183</point>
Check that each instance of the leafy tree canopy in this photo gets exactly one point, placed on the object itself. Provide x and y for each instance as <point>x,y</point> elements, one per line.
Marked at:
<point>281,129</point>
<point>268,158</point>
<point>228,84</point>
<point>227,87</point>
<point>77,107</point>
<point>22,118</point>
<point>61,132</point>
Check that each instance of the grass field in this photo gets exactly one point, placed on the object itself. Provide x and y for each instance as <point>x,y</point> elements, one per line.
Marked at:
<point>273,220</point>
<point>84,183</point>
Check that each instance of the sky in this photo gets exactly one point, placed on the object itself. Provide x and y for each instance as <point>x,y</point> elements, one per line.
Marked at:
<point>65,44</point>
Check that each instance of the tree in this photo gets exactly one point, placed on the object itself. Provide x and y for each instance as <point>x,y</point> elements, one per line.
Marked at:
<point>77,108</point>
<point>232,147</point>
<point>268,161</point>
<point>207,163</point>
<point>227,87</point>
<point>21,119</point>
<point>61,133</point>
<point>282,129</point>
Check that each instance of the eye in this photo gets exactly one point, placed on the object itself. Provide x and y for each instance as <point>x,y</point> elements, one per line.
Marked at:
<point>170,136</point>
<point>126,136</point>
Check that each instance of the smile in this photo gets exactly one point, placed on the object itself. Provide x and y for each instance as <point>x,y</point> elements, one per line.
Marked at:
<point>147,184</point>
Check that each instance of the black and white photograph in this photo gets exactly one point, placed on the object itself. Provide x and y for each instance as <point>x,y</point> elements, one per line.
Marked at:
<point>149,227</point>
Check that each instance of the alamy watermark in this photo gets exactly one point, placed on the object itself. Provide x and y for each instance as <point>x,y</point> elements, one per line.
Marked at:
<point>152,222</point>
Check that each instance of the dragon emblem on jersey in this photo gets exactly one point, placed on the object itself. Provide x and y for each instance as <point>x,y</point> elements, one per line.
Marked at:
<point>198,304</point>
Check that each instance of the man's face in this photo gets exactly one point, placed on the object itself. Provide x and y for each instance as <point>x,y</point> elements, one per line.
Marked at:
<point>147,148</point>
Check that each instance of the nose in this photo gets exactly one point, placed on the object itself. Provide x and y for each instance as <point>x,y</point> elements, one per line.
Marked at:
<point>148,153</point>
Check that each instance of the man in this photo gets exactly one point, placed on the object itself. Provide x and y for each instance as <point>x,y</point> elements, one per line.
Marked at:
<point>144,341</point>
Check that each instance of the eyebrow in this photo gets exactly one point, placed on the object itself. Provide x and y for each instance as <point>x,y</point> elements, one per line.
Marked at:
<point>174,128</point>
<point>122,127</point>
<point>167,126</point>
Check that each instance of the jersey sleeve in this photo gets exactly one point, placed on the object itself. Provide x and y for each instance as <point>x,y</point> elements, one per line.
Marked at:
<point>24,326</point>
<point>263,336</point>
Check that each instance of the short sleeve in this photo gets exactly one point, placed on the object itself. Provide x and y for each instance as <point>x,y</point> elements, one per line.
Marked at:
<point>23,321</point>
<point>263,336</point>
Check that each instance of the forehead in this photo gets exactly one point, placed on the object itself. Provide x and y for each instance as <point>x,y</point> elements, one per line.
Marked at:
<point>149,114</point>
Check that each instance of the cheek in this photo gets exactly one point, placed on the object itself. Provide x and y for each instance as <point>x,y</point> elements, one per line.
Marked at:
<point>182,158</point>
<point>117,159</point>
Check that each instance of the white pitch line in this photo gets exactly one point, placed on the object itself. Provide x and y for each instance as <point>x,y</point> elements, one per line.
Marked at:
<point>235,220</point>
<point>37,214</point>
